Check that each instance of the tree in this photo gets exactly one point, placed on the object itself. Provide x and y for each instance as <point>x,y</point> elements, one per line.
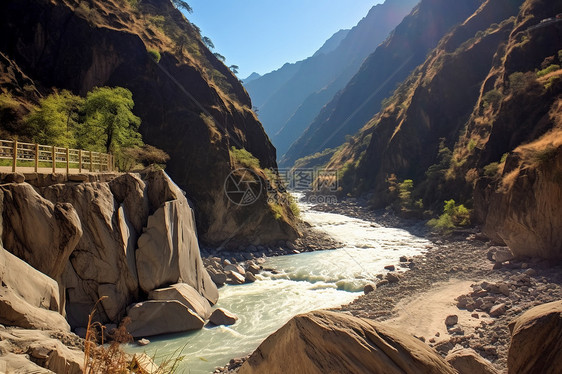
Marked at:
<point>180,4</point>
<point>56,120</point>
<point>208,42</point>
<point>220,57</point>
<point>109,121</point>
<point>234,68</point>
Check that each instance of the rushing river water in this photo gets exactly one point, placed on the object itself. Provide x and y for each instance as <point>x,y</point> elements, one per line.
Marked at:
<point>305,282</point>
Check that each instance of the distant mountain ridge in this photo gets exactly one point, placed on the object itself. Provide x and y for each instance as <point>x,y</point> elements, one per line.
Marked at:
<point>289,98</point>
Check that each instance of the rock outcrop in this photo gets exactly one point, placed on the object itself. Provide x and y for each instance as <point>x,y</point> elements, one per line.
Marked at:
<point>467,361</point>
<point>536,341</point>
<point>186,295</point>
<point>329,342</point>
<point>28,298</point>
<point>157,317</point>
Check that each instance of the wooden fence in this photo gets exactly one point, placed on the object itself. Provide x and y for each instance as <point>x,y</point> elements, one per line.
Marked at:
<point>41,156</point>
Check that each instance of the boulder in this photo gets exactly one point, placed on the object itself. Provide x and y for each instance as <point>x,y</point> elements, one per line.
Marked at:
<point>217,276</point>
<point>451,320</point>
<point>503,255</point>
<point>235,268</point>
<point>498,310</point>
<point>103,263</point>
<point>253,268</point>
<point>38,289</point>
<point>186,295</point>
<point>129,191</point>
<point>467,361</point>
<point>249,278</point>
<point>39,232</point>
<point>234,278</point>
<point>15,311</point>
<point>43,350</point>
<point>393,277</point>
<point>157,317</point>
<point>369,288</point>
<point>536,341</point>
<point>330,342</point>
<point>222,316</point>
<point>168,251</point>
<point>20,364</point>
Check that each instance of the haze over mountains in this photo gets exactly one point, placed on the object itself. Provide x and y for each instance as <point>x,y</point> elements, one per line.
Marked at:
<point>289,98</point>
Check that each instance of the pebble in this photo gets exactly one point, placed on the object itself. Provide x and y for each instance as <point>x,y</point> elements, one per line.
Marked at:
<point>451,320</point>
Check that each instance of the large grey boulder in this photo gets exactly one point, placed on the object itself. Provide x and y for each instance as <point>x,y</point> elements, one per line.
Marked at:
<point>186,295</point>
<point>103,263</point>
<point>41,233</point>
<point>157,317</point>
<point>329,342</point>
<point>168,251</point>
<point>28,298</point>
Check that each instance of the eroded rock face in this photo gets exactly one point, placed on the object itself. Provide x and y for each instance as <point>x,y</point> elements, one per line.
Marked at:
<point>467,361</point>
<point>169,253</point>
<point>536,341</point>
<point>103,262</point>
<point>38,231</point>
<point>524,212</point>
<point>329,342</point>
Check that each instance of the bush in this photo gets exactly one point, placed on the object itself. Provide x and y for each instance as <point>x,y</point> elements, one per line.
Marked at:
<point>244,158</point>
<point>548,70</point>
<point>492,98</point>
<point>453,216</point>
<point>155,55</point>
<point>491,170</point>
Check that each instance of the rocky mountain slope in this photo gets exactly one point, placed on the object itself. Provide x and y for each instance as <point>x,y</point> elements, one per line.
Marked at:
<point>478,122</point>
<point>288,99</point>
<point>389,64</point>
<point>190,104</point>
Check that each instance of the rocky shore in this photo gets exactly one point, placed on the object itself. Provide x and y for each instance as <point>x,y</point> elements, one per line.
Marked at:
<point>468,289</point>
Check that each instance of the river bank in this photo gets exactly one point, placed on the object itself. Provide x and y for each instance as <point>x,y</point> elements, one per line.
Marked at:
<point>458,276</point>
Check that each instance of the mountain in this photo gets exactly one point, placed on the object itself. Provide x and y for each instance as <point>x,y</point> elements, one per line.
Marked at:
<point>389,64</point>
<point>478,122</point>
<point>190,104</point>
<point>251,77</point>
<point>288,99</point>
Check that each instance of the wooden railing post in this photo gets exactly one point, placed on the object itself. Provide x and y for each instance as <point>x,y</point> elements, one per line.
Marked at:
<point>108,161</point>
<point>80,161</point>
<point>54,159</point>
<point>15,156</point>
<point>91,163</point>
<point>67,161</point>
<point>36,157</point>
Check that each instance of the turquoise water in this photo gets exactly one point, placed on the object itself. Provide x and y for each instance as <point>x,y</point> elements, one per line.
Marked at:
<point>305,282</point>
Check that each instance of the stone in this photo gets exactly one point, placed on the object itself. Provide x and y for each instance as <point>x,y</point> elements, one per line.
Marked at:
<point>20,364</point>
<point>249,278</point>
<point>222,316</point>
<point>171,234</point>
<point>14,178</point>
<point>234,278</point>
<point>503,255</point>
<point>253,268</point>
<point>390,267</point>
<point>186,295</point>
<point>383,282</point>
<point>369,288</point>
<point>142,342</point>
<point>217,276</point>
<point>55,234</point>
<point>467,361</point>
<point>403,259</point>
<point>451,320</point>
<point>78,177</point>
<point>157,317</point>
<point>393,277</point>
<point>323,341</point>
<point>235,268</point>
<point>498,310</point>
<point>536,346</point>
<point>142,363</point>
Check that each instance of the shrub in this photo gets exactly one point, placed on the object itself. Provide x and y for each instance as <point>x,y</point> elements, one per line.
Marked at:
<point>244,158</point>
<point>491,170</point>
<point>453,216</point>
<point>155,55</point>
<point>492,98</point>
<point>545,155</point>
<point>548,70</point>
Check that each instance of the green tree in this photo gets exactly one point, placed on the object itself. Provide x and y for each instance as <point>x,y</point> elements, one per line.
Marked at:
<point>208,42</point>
<point>234,68</point>
<point>181,4</point>
<point>220,57</point>
<point>56,120</point>
<point>109,121</point>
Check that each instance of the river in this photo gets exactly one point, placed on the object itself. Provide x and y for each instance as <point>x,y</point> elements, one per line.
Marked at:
<point>304,282</point>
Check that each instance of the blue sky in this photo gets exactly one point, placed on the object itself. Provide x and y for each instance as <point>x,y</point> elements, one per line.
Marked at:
<point>261,35</point>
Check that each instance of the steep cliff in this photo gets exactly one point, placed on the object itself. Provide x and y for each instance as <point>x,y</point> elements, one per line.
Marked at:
<point>389,64</point>
<point>288,99</point>
<point>190,104</point>
<point>477,122</point>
